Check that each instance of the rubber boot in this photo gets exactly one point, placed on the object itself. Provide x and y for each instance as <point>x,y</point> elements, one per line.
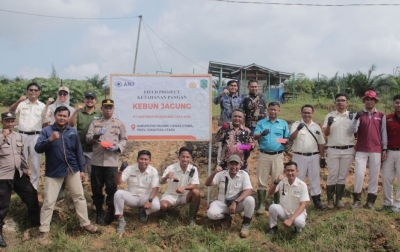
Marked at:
<point>370,201</point>
<point>261,194</point>
<point>193,208</point>
<point>245,231</point>
<point>110,215</point>
<point>100,215</point>
<point>339,194</point>
<point>3,243</point>
<point>277,198</point>
<point>317,202</point>
<point>356,201</point>
<point>330,191</point>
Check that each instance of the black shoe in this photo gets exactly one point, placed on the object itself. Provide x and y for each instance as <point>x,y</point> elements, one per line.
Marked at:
<point>100,216</point>
<point>110,215</point>
<point>142,215</point>
<point>272,232</point>
<point>3,243</point>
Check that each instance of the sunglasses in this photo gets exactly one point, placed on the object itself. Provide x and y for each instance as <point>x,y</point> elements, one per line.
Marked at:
<point>33,90</point>
<point>62,94</point>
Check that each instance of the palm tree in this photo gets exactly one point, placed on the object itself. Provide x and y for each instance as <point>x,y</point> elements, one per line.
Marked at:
<point>96,81</point>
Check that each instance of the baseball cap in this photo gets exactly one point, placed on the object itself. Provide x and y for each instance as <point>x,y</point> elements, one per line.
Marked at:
<point>370,94</point>
<point>108,102</point>
<point>234,158</point>
<point>90,94</point>
<point>63,88</point>
<point>8,115</point>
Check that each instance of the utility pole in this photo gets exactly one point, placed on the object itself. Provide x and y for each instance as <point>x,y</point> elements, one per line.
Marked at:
<point>137,44</point>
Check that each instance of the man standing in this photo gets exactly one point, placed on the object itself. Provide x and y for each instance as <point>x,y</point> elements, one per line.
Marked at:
<point>391,166</point>
<point>308,142</point>
<point>270,158</point>
<point>30,124</point>
<point>340,150</point>
<point>82,118</point>
<point>234,195</point>
<point>64,161</point>
<point>235,139</point>
<point>370,125</point>
<point>103,131</point>
<point>228,100</point>
<point>182,178</point>
<point>142,179</point>
<point>292,208</point>
<point>253,105</point>
<point>12,176</point>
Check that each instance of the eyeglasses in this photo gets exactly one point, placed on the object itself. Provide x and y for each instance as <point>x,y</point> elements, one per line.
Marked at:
<point>341,100</point>
<point>62,94</point>
<point>33,90</point>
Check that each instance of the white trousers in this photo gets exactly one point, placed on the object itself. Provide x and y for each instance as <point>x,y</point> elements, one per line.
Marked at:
<point>276,212</point>
<point>218,208</point>
<point>360,168</point>
<point>123,197</point>
<point>339,162</point>
<point>391,170</point>
<point>32,157</point>
<point>309,166</point>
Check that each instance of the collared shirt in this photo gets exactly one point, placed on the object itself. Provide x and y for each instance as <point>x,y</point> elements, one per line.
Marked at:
<point>231,139</point>
<point>183,178</point>
<point>12,155</point>
<point>115,133</point>
<point>83,121</point>
<point>393,131</point>
<point>254,109</point>
<point>292,195</point>
<point>227,103</point>
<point>30,115</point>
<point>277,129</point>
<point>140,183</point>
<point>304,141</point>
<point>239,183</point>
<point>340,134</point>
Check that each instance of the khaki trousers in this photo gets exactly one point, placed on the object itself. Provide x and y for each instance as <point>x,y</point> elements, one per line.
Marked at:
<point>268,165</point>
<point>339,162</point>
<point>391,170</point>
<point>361,167</point>
<point>51,188</point>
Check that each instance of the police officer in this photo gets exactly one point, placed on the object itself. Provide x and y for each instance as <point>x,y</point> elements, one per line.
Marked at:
<point>108,136</point>
<point>12,176</point>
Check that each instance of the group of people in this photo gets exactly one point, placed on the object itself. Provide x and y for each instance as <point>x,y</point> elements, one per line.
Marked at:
<point>94,146</point>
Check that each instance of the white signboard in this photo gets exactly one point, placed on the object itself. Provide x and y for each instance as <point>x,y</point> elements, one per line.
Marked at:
<point>163,107</point>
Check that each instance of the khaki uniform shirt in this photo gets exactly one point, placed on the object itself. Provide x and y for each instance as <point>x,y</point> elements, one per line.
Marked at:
<point>30,115</point>
<point>305,142</point>
<point>116,133</point>
<point>340,129</point>
<point>293,195</point>
<point>239,183</point>
<point>12,155</point>
<point>183,178</point>
<point>140,183</point>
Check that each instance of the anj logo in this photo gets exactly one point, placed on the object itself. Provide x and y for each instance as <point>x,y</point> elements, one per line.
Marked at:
<point>203,84</point>
<point>118,84</point>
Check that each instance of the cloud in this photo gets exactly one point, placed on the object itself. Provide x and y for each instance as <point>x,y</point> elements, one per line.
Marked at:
<point>81,71</point>
<point>30,73</point>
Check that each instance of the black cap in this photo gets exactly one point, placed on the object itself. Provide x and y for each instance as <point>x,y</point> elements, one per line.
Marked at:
<point>107,102</point>
<point>8,115</point>
<point>90,94</point>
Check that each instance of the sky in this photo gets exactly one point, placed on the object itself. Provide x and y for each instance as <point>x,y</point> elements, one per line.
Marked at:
<point>184,35</point>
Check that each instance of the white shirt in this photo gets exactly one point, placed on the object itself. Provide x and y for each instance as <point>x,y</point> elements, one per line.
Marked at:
<point>293,195</point>
<point>305,142</point>
<point>340,134</point>
<point>140,183</point>
<point>239,183</point>
<point>30,115</point>
<point>183,178</point>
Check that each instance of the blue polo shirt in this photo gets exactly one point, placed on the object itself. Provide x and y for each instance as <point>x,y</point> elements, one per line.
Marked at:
<point>277,129</point>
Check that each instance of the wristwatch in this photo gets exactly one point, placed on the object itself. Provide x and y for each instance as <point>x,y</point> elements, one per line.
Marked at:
<point>150,200</point>
<point>237,202</point>
<point>276,182</point>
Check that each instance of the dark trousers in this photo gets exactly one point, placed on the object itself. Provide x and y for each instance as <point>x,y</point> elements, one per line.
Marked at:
<point>23,187</point>
<point>100,176</point>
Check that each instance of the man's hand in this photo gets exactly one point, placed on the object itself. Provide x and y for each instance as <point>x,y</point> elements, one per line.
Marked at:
<point>123,166</point>
<point>170,175</point>
<point>331,119</point>
<point>322,163</point>
<point>54,136</point>
<point>384,155</point>
<point>6,132</point>
<point>147,205</point>
<point>265,132</point>
<point>288,222</point>
<point>226,91</point>
<point>83,176</point>
<point>180,189</point>
<point>232,208</point>
<point>280,177</point>
<point>22,98</point>
<point>49,101</point>
<point>359,114</point>
<point>79,108</point>
<point>225,126</point>
<point>101,131</point>
<point>218,168</point>
<point>300,126</point>
<point>113,148</point>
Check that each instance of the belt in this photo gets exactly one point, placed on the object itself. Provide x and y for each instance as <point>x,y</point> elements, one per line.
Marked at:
<point>307,154</point>
<point>29,133</point>
<point>342,147</point>
<point>271,152</point>
<point>394,149</point>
